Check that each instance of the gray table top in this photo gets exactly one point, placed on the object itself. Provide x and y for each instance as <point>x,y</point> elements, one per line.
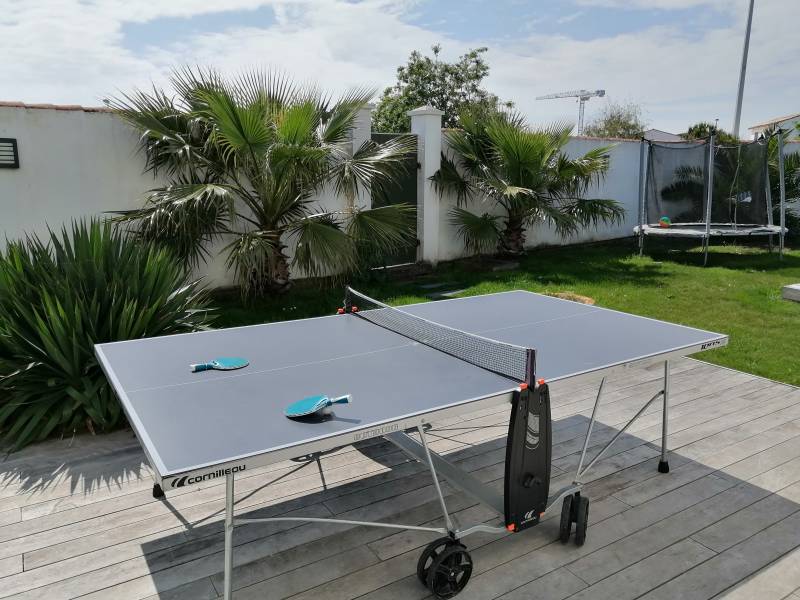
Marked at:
<point>188,421</point>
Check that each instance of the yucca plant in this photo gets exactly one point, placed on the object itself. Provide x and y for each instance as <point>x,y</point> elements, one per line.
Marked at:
<point>524,177</point>
<point>58,297</point>
<point>245,158</point>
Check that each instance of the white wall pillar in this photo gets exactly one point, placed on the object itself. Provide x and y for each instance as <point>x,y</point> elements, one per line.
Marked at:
<point>426,123</point>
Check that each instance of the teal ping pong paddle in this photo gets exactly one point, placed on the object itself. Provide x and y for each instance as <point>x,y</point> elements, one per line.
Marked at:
<point>226,363</point>
<point>312,404</point>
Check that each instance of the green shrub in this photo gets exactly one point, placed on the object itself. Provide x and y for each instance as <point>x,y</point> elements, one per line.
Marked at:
<point>85,285</point>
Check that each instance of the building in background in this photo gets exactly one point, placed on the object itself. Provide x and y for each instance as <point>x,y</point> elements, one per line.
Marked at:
<point>788,122</point>
<point>656,135</point>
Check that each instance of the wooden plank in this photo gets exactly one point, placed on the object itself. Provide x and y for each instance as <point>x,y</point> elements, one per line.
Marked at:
<point>776,581</point>
<point>110,540</point>
<point>556,585</point>
<point>640,577</point>
<point>394,578</point>
<point>10,516</point>
<point>202,589</point>
<point>725,570</point>
<point>10,566</point>
<point>749,521</point>
<point>663,531</point>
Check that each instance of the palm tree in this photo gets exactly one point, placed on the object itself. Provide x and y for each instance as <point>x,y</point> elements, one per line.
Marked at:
<point>245,158</point>
<point>525,172</point>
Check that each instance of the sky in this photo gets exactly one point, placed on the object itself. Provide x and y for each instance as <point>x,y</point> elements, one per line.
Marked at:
<point>678,59</point>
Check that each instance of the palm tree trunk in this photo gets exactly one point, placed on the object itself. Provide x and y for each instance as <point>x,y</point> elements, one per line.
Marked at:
<point>279,273</point>
<point>512,238</point>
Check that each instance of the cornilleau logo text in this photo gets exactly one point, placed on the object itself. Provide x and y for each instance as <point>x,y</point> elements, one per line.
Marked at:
<point>186,480</point>
<point>369,433</point>
<point>713,344</point>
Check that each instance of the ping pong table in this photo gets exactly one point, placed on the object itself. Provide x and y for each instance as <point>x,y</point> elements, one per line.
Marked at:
<point>404,368</point>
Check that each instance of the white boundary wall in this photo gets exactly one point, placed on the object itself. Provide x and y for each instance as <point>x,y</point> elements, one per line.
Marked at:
<point>441,242</point>
<point>77,162</point>
<point>620,184</point>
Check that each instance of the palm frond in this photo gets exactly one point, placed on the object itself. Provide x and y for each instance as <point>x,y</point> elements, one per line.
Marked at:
<point>297,124</point>
<point>569,218</point>
<point>183,217</point>
<point>383,231</point>
<point>339,122</point>
<point>240,130</point>
<point>480,233</point>
<point>271,89</point>
<point>450,179</point>
<point>372,167</point>
<point>322,247</point>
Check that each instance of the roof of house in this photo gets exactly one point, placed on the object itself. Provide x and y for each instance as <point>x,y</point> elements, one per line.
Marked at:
<point>773,121</point>
<point>658,135</point>
<point>75,107</point>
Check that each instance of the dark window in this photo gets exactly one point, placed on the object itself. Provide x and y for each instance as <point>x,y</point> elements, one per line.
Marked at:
<point>9,157</point>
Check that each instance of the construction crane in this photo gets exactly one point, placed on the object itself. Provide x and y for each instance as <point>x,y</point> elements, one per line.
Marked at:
<point>582,96</point>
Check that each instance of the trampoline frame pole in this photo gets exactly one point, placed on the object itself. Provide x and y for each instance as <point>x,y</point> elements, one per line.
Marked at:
<point>782,187</point>
<point>642,184</point>
<point>709,198</point>
<point>768,192</point>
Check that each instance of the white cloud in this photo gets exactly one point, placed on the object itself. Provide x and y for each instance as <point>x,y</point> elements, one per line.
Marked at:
<point>570,17</point>
<point>70,51</point>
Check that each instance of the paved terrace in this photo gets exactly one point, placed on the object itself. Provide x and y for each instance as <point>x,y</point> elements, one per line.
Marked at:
<point>78,519</point>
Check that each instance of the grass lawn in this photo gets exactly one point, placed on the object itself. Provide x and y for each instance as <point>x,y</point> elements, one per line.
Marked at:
<point>738,294</point>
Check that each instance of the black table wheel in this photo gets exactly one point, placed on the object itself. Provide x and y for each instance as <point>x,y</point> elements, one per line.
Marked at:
<point>450,571</point>
<point>157,491</point>
<point>565,527</point>
<point>581,520</point>
<point>432,550</point>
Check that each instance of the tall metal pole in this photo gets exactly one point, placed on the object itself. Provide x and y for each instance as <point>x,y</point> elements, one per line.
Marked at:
<point>738,116</point>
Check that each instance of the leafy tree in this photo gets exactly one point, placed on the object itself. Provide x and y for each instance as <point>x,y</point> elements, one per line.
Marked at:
<point>617,120</point>
<point>525,177</point>
<point>245,158</point>
<point>704,129</point>
<point>425,80</point>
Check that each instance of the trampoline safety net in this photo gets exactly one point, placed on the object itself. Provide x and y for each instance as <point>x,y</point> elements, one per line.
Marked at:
<point>677,179</point>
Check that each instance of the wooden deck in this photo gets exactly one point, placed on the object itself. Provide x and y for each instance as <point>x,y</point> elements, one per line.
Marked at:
<point>77,518</point>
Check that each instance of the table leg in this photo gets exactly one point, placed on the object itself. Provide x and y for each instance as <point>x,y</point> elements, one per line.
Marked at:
<point>228,536</point>
<point>663,464</point>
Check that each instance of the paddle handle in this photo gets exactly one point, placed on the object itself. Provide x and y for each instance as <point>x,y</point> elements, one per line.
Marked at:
<point>196,368</point>
<point>341,400</point>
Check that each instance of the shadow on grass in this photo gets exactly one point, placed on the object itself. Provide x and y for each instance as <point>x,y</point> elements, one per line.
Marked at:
<point>737,255</point>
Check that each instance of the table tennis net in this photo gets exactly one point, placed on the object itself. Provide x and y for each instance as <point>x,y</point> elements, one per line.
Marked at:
<point>509,360</point>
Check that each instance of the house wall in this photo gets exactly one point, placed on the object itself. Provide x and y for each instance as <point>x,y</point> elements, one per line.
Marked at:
<point>789,125</point>
<point>77,162</point>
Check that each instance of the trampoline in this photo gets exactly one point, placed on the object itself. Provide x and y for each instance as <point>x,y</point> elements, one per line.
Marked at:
<point>700,190</point>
